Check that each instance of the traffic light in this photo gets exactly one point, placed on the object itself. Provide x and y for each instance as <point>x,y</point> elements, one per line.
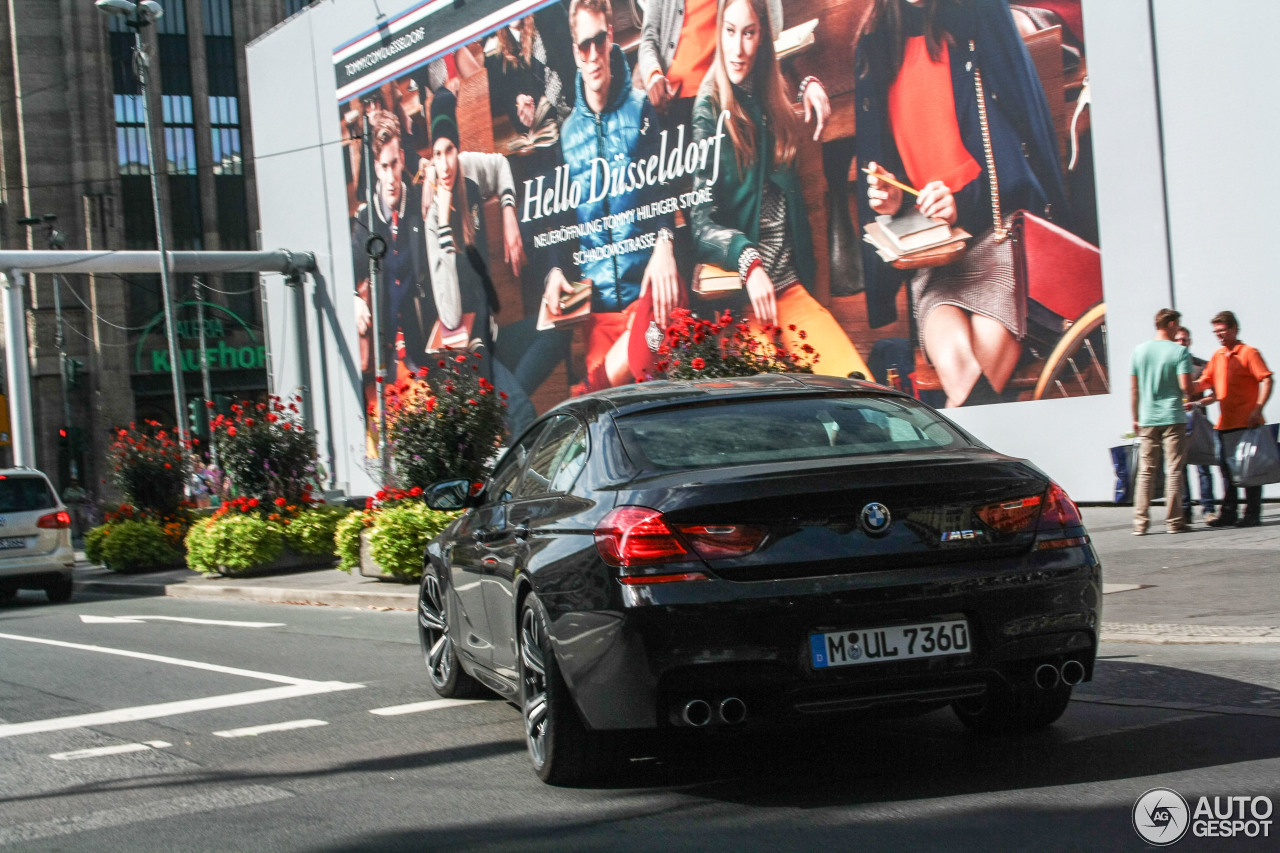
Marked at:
<point>73,370</point>
<point>196,422</point>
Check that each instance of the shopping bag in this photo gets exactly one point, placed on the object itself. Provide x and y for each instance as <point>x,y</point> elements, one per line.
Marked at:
<point>1201,447</point>
<point>1252,456</point>
<point>1126,460</point>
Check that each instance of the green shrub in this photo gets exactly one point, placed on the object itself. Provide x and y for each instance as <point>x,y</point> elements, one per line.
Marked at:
<point>233,544</point>
<point>312,530</point>
<point>346,538</point>
<point>133,545</point>
<point>93,540</point>
<point>400,536</point>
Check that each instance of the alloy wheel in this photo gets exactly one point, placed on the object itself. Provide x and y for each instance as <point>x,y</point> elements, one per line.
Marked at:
<point>433,625</point>
<point>533,677</point>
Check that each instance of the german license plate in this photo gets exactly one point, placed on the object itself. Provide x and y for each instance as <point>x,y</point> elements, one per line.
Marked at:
<point>10,542</point>
<point>896,642</point>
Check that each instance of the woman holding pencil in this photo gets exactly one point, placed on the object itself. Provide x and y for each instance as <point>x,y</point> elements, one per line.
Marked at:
<point>756,222</point>
<point>920,141</point>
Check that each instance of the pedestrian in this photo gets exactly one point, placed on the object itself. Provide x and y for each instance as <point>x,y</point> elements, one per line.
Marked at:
<point>1240,383</point>
<point>1204,473</point>
<point>1161,385</point>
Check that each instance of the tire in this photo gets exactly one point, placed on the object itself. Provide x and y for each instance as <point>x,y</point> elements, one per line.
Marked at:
<point>562,749</point>
<point>438,650</point>
<point>59,591</point>
<point>1006,712</point>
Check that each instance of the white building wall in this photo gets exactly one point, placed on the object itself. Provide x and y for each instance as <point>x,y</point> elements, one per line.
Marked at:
<point>1218,126</point>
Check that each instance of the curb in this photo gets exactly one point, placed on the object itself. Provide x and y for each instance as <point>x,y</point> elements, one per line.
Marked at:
<point>397,600</point>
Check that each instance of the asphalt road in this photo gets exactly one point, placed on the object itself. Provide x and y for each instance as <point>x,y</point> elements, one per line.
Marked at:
<point>162,762</point>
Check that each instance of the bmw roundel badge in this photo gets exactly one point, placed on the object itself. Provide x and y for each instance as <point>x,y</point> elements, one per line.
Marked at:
<point>876,519</point>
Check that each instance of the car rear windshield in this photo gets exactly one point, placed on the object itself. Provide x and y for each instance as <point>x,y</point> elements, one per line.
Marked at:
<point>769,430</point>
<point>24,494</point>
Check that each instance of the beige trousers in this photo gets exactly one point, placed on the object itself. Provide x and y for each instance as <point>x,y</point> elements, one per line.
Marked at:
<point>1167,444</point>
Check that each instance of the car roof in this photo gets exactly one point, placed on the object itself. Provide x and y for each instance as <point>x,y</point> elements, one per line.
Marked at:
<point>627,399</point>
<point>19,472</point>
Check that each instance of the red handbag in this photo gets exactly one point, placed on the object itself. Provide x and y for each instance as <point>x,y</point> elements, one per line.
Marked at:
<point>1054,267</point>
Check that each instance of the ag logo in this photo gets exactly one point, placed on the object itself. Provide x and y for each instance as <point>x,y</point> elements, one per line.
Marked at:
<point>1161,816</point>
<point>876,519</point>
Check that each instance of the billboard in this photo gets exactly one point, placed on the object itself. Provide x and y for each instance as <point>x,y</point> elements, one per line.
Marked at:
<point>549,183</point>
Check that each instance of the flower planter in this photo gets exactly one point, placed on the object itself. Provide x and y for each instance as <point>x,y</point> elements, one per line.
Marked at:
<point>369,567</point>
<point>288,561</point>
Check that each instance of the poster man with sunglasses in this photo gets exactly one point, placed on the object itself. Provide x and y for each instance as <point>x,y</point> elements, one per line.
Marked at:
<point>611,123</point>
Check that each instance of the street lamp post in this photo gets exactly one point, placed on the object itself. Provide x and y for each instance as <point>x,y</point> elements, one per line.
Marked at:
<point>137,16</point>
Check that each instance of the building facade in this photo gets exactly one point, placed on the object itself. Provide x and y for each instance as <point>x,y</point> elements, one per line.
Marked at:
<point>73,154</point>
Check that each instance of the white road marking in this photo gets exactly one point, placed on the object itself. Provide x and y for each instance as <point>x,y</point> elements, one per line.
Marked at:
<point>250,731</point>
<point>247,795</point>
<point>119,749</point>
<point>173,709</point>
<point>208,667</point>
<point>122,620</point>
<point>295,687</point>
<point>1109,588</point>
<point>417,707</point>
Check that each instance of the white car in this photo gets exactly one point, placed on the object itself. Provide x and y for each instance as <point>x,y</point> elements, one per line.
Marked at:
<point>35,536</point>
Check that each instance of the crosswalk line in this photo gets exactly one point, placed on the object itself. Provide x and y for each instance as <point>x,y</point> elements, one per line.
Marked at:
<point>118,749</point>
<point>250,731</point>
<point>418,707</point>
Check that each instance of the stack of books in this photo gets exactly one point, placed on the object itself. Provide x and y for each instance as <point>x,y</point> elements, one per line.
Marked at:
<point>911,233</point>
<point>574,307</point>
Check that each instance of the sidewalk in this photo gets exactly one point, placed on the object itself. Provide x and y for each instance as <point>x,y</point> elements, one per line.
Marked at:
<point>1205,586</point>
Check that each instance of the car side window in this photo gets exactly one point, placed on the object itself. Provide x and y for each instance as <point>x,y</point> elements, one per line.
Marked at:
<point>572,460</point>
<point>502,484</point>
<point>547,458</point>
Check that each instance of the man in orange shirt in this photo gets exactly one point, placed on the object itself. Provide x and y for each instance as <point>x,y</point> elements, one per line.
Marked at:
<point>1239,382</point>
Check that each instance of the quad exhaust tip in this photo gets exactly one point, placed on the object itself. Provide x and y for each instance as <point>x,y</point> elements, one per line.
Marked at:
<point>1072,673</point>
<point>1046,676</point>
<point>732,710</point>
<point>696,713</point>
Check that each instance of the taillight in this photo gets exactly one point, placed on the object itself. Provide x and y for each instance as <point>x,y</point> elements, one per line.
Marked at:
<point>717,541</point>
<point>1060,513</point>
<point>55,521</point>
<point>637,536</point>
<point>1013,516</point>
<point>1048,515</point>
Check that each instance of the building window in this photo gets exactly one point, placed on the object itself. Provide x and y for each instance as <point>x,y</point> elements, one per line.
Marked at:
<point>224,89</point>
<point>293,7</point>
<point>131,135</point>
<point>179,135</point>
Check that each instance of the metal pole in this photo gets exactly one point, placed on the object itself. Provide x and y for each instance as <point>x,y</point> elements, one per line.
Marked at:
<point>175,361</point>
<point>59,340</point>
<point>21,428</point>
<point>374,268</point>
<point>298,285</point>
<point>205,385</point>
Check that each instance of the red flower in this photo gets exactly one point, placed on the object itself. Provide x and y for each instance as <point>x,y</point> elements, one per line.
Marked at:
<point>698,363</point>
<point>416,491</point>
<point>231,431</point>
<point>792,327</point>
<point>272,417</point>
<point>208,404</point>
<point>471,402</point>
<point>280,502</point>
<point>502,394</point>
<point>422,371</point>
<point>248,422</point>
<point>381,494</point>
<point>460,359</point>
<point>253,502</point>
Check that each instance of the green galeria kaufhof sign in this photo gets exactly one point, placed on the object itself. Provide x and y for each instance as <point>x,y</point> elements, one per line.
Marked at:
<point>220,325</point>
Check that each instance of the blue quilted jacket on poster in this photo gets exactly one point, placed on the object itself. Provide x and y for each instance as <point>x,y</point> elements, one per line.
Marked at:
<point>628,128</point>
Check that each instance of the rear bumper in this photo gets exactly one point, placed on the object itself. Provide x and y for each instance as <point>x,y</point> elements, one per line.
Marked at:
<point>709,640</point>
<point>37,568</point>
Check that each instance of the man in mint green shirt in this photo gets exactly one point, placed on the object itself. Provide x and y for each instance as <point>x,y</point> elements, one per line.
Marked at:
<point>1161,391</point>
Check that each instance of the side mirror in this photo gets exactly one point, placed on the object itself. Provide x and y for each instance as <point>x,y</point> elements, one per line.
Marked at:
<point>451,495</point>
